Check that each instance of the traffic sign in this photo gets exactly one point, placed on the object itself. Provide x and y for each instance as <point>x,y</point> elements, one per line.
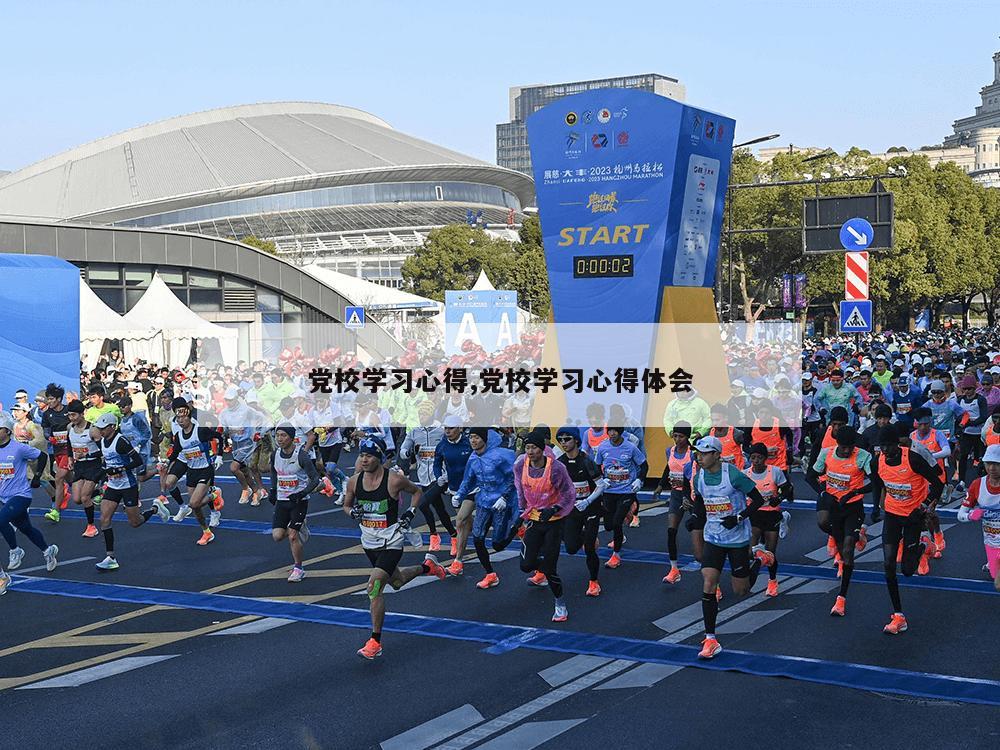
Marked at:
<point>823,220</point>
<point>855,276</point>
<point>856,234</point>
<point>354,317</point>
<point>856,316</point>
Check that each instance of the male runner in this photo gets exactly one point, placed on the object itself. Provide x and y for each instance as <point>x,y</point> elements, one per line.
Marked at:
<point>293,477</point>
<point>940,449</point>
<point>677,476</point>
<point>774,486</point>
<point>420,444</point>
<point>372,499</point>
<point>85,463</point>
<point>241,423</point>
<point>451,456</point>
<point>625,468</point>
<point>120,463</point>
<point>983,504</point>
<point>581,527</point>
<point>55,426</point>
<point>191,449</point>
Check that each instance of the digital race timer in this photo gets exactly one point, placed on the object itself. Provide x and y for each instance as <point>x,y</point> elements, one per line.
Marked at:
<point>603,266</point>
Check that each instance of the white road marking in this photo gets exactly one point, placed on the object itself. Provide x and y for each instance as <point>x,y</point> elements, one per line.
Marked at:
<point>439,728</point>
<point>62,563</point>
<point>257,626</point>
<point>92,674</point>
<point>530,735</point>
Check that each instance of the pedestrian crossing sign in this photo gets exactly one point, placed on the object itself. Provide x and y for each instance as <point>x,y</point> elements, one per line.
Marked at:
<point>354,317</point>
<point>856,316</point>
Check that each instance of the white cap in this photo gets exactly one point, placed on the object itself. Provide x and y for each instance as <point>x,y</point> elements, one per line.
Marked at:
<point>995,369</point>
<point>992,454</point>
<point>107,419</point>
<point>737,383</point>
<point>759,393</point>
<point>232,392</point>
<point>6,421</point>
<point>451,420</point>
<point>937,385</point>
<point>158,380</point>
<point>807,375</point>
<point>134,385</point>
<point>298,393</point>
<point>897,363</point>
<point>707,444</point>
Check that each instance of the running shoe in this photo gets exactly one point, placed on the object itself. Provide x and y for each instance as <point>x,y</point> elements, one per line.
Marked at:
<point>939,545</point>
<point>839,607</point>
<point>264,494</point>
<point>862,542</point>
<point>207,537</point>
<point>414,539</point>
<point>614,561</point>
<point>772,587</point>
<point>924,566</point>
<point>304,532</point>
<point>896,625</point>
<point>538,579</point>
<point>91,531</point>
<point>371,649</point>
<point>4,582</point>
<point>108,563</point>
<point>339,500</point>
<point>899,553</point>
<point>52,515</point>
<point>161,510</point>
<point>296,575</point>
<point>435,543</point>
<point>831,546</point>
<point>710,648</point>
<point>784,524</point>
<point>255,498</point>
<point>16,555</point>
<point>218,501</point>
<point>244,497</point>
<point>718,593</point>
<point>489,581</point>
<point>765,556</point>
<point>593,589</point>
<point>673,576</point>
<point>520,532</point>
<point>561,614</point>
<point>184,512</point>
<point>959,492</point>
<point>50,557</point>
<point>97,497</point>
<point>454,546</point>
<point>634,523</point>
<point>214,518</point>
<point>456,568</point>
<point>327,488</point>
<point>434,568</point>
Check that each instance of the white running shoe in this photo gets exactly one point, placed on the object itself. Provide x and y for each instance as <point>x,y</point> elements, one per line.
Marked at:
<point>414,539</point>
<point>183,513</point>
<point>16,555</point>
<point>304,532</point>
<point>339,500</point>
<point>4,582</point>
<point>214,518</point>
<point>296,575</point>
<point>561,614</point>
<point>161,510</point>
<point>108,563</point>
<point>50,557</point>
<point>786,521</point>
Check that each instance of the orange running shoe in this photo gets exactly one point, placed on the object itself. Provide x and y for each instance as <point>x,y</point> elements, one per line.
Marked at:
<point>435,544</point>
<point>489,581</point>
<point>710,648</point>
<point>614,561</point>
<point>244,497</point>
<point>456,568</point>
<point>831,546</point>
<point>371,649</point>
<point>924,566</point>
<point>862,542</point>
<point>218,503</point>
<point>327,488</point>
<point>839,607</point>
<point>896,625</point>
<point>772,587</point>
<point>766,557</point>
<point>593,589</point>
<point>520,532</point>
<point>718,593</point>
<point>939,543</point>
<point>840,569</point>
<point>454,546</point>
<point>207,537</point>
<point>899,553</point>
<point>91,531</point>
<point>538,579</point>
<point>434,568</point>
<point>673,576</point>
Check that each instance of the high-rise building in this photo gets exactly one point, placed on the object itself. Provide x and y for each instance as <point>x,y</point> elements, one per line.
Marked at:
<point>512,138</point>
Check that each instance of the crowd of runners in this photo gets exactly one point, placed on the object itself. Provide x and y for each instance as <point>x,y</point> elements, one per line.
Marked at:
<point>908,421</point>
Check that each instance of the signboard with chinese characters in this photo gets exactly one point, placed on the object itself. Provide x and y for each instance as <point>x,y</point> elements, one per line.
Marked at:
<point>630,189</point>
<point>487,318</point>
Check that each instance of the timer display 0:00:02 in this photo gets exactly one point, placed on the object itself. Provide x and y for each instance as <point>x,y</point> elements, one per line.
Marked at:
<point>602,266</point>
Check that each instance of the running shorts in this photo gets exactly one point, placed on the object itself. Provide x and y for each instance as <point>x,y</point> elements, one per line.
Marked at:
<point>715,557</point>
<point>289,514</point>
<point>385,559</point>
<point>129,496</point>
<point>88,471</point>
<point>766,520</point>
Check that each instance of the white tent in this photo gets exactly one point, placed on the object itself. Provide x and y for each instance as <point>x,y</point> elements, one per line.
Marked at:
<point>160,308</point>
<point>98,323</point>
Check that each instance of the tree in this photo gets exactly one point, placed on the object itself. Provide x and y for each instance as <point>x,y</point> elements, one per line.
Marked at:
<point>265,246</point>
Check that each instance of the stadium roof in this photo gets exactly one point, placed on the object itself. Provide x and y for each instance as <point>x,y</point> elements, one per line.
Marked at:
<point>233,152</point>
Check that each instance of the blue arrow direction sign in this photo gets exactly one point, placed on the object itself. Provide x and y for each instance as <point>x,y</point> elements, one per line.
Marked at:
<point>354,317</point>
<point>856,316</point>
<point>856,234</point>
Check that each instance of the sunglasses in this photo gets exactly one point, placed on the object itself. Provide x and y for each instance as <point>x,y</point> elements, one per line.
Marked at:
<point>564,438</point>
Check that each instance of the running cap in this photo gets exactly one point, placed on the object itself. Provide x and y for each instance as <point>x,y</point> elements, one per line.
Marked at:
<point>232,392</point>
<point>708,444</point>
<point>18,407</point>
<point>286,428</point>
<point>838,414</point>
<point>968,382</point>
<point>937,385</point>
<point>571,430</point>
<point>481,432</point>
<point>107,419</point>
<point>158,380</point>
<point>759,448</point>
<point>737,383</point>
<point>759,393</point>
<point>425,407</point>
<point>536,438</point>
<point>991,456</point>
<point>807,375</point>
<point>6,421</point>
<point>373,446</point>
<point>134,386</point>
<point>298,393</point>
<point>904,379</point>
<point>451,420</point>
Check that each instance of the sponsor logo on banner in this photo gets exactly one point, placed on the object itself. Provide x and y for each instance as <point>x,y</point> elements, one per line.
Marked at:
<point>602,203</point>
<point>599,140</point>
<point>622,113</point>
<point>571,118</point>
<point>588,117</point>
<point>710,129</point>
<point>574,146</point>
<point>622,138</point>
<point>603,115</point>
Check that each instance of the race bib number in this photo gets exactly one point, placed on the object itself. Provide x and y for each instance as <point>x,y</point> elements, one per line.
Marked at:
<point>60,437</point>
<point>582,489</point>
<point>772,451</point>
<point>837,481</point>
<point>425,454</point>
<point>6,470</point>
<point>287,485</point>
<point>618,476</point>
<point>80,453</point>
<point>898,490</point>
<point>903,407</point>
<point>719,508</point>
<point>677,480</point>
<point>192,454</point>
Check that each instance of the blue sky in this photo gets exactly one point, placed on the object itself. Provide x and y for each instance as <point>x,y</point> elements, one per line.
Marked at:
<point>874,74</point>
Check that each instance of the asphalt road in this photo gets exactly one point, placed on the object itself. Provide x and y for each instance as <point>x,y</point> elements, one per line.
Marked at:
<point>90,659</point>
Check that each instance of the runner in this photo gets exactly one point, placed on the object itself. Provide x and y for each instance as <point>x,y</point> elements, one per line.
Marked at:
<point>597,432</point>
<point>15,497</point>
<point>421,444</point>
<point>911,487</point>
<point>293,477</point>
<point>974,406</point>
<point>240,424</point>
<point>55,426</point>
<point>581,527</point>
<point>85,463</point>
<point>732,439</point>
<point>372,499</point>
<point>330,442</point>
<point>840,510</point>
<point>120,461</point>
<point>191,458</point>
<point>940,449</point>
<point>134,427</point>
<point>774,486</point>
<point>677,476</point>
<point>261,458</point>
<point>490,468</point>
<point>546,496</point>
<point>721,492</point>
<point>983,504</point>
<point>451,456</point>
<point>625,468</point>
<point>96,394</point>
<point>29,432</point>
